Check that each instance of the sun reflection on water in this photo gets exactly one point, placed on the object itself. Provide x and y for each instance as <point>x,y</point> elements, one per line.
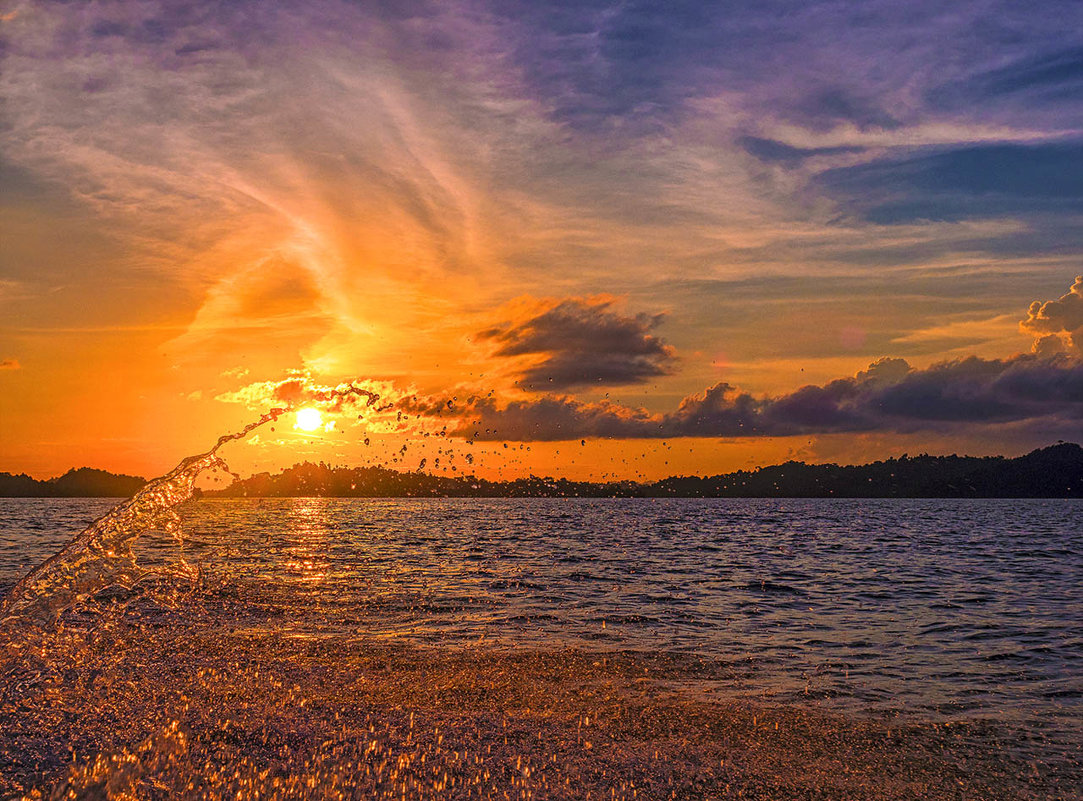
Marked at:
<point>307,557</point>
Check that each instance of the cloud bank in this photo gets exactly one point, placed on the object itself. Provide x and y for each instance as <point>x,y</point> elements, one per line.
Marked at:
<point>585,341</point>
<point>889,396</point>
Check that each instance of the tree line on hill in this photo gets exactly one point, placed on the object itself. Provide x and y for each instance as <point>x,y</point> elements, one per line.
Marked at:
<point>84,482</point>
<point>1052,472</point>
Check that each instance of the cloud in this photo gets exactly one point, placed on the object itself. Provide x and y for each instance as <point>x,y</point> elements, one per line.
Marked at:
<point>1057,322</point>
<point>596,63</point>
<point>224,142</point>
<point>300,389</point>
<point>771,151</point>
<point>10,364</point>
<point>576,337</point>
<point>306,181</point>
<point>890,396</point>
<point>988,180</point>
<point>551,417</point>
<point>275,300</point>
<point>583,342</point>
<point>828,107</point>
<point>1044,78</point>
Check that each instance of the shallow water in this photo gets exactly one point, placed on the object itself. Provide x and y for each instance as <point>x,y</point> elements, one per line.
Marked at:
<point>917,612</point>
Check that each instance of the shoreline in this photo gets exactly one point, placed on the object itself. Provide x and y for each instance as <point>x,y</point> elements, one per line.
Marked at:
<point>284,716</point>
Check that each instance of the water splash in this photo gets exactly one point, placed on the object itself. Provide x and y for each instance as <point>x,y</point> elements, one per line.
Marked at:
<point>100,560</point>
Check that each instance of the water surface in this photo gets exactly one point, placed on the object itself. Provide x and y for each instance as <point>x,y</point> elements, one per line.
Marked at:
<point>930,611</point>
<point>934,605</point>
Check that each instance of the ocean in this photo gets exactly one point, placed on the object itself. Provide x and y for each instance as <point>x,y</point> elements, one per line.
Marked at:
<point>797,648</point>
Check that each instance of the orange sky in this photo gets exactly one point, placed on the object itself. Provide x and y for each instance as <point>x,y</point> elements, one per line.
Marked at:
<point>458,202</point>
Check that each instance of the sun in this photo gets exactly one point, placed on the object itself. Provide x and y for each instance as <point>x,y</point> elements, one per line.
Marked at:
<point>308,419</point>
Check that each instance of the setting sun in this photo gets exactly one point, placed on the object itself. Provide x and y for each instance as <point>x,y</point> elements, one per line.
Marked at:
<point>308,419</point>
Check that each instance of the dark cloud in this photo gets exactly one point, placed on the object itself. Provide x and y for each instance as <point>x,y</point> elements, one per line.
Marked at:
<point>1059,322</point>
<point>963,183</point>
<point>583,342</point>
<point>1041,77</point>
<point>770,150</point>
<point>875,65</point>
<point>552,417</point>
<point>888,397</point>
<point>828,107</point>
<point>595,61</point>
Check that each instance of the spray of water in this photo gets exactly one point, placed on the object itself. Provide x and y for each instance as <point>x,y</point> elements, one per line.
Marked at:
<point>100,559</point>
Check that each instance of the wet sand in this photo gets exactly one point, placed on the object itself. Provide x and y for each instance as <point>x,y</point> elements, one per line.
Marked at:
<point>168,712</point>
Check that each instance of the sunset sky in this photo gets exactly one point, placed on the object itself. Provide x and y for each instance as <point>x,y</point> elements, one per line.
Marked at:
<point>575,238</point>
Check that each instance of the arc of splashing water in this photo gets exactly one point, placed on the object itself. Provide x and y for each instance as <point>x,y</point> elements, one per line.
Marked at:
<point>88,563</point>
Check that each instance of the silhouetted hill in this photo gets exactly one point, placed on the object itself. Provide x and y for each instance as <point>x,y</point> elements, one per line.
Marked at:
<point>1053,472</point>
<point>309,479</point>
<point>85,482</point>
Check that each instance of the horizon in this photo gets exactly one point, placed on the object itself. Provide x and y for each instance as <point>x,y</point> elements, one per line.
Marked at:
<point>544,477</point>
<point>600,241</point>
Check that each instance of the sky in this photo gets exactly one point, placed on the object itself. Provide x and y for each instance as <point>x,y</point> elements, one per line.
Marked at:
<point>591,239</point>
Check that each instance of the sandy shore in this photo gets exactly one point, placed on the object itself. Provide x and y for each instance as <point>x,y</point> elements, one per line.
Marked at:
<point>165,714</point>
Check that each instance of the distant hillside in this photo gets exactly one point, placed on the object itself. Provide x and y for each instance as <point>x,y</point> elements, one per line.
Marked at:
<point>1053,472</point>
<point>85,482</point>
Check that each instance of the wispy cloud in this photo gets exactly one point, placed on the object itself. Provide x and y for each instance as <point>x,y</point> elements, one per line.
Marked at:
<point>356,189</point>
<point>1043,78</point>
<point>972,182</point>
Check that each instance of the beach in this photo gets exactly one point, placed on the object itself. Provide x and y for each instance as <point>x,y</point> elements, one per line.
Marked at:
<point>242,716</point>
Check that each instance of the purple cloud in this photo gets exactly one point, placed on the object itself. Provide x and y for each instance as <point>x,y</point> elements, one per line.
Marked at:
<point>888,396</point>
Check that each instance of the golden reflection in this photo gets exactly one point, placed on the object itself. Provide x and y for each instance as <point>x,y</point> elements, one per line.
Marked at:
<point>307,558</point>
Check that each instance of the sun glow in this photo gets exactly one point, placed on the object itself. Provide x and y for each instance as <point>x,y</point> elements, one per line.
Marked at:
<point>308,419</point>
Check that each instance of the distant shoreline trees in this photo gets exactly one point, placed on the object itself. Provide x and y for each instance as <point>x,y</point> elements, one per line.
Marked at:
<point>84,482</point>
<point>1052,472</point>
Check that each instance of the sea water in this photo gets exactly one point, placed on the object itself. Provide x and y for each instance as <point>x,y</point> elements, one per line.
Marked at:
<point>921,612</point>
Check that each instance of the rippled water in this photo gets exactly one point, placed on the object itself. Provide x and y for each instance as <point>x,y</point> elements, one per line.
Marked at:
<point>931,605</point>
<point>927,610</point>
